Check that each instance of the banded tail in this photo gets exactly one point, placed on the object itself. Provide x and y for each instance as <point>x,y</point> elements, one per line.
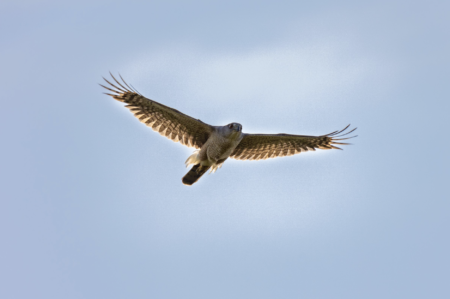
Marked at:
<point>194,174</point>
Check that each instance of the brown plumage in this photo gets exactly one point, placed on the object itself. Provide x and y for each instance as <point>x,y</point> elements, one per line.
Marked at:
<point>264,146</point>
<point>167,121</point>
<point>216,143</point>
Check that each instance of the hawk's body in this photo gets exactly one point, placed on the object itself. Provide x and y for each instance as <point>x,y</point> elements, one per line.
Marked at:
<point>215,144</point>
<point>219,146</point>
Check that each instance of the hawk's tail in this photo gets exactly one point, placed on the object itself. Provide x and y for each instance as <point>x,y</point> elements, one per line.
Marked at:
<point>194,174</point>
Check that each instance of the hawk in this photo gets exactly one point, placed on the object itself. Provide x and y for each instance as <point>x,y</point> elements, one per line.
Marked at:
<point>215,144</point>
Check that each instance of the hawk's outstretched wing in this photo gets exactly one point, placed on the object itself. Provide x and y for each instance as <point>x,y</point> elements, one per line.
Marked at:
<point>167,121</point>
<point>263,146</point>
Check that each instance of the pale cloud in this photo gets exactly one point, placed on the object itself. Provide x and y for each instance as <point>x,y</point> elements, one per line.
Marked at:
<point>311,73</point>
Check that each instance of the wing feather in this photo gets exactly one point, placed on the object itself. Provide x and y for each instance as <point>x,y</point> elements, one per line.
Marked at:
<point>167,121</point>
<point>264,146</point>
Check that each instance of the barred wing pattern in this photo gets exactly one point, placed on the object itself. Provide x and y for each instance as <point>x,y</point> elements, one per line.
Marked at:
<point>166,121</point>
<point>264,146</point>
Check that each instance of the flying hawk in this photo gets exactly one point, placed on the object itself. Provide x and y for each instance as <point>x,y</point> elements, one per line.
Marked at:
<point>215,144</point>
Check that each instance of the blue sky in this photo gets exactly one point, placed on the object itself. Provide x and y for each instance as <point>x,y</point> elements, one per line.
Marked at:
<point>92,204</point>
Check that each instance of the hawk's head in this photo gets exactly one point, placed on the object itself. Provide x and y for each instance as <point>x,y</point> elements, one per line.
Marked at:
<point>235,127</point>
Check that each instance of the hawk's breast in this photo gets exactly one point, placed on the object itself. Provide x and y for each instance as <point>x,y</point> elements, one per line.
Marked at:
<point>220,147</point>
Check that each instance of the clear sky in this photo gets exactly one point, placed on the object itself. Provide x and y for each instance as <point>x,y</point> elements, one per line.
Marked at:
<point>92,204</point>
